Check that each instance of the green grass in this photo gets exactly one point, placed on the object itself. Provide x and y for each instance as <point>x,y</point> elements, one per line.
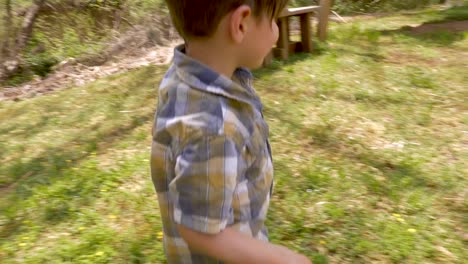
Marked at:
<point>369,142</point>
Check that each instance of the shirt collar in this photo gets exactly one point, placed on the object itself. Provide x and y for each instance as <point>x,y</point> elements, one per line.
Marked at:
<point>201,77</point>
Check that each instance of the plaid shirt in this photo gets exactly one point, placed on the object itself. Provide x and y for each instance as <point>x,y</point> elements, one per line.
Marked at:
<point>210,160</point>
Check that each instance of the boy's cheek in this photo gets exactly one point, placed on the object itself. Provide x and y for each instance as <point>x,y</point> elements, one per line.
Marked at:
<point>275,32</point>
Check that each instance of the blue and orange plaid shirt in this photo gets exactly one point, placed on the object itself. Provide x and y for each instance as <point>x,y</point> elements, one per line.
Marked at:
<point>210,160</point>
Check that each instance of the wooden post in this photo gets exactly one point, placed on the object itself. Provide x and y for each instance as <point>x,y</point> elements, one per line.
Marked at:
<point>306,32</point>
<point>268,59</point>
<point>324,13</point>
<point>283,40</point>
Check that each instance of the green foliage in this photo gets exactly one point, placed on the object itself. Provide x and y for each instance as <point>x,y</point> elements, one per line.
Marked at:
<point>368,6</point>
<point>106,4</point>
<point>19,78</point>
<point>302,2</point>
<point>420,78</point>
<point>41,62</point>
<point>456,13</point>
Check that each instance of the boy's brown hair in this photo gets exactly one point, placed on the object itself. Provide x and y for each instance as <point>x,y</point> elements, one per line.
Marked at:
<point>200,18</point>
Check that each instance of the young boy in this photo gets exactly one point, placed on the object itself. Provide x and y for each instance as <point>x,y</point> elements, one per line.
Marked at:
<point>211,161</point>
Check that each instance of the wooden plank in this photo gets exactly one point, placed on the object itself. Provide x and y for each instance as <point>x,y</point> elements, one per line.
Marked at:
<point>295,47</point>
<point>324,14</point>
<point>283,40</point>
<point>278,52</point>
<point>306,32</point>
<point>299,11</point>
<point>284,47</point>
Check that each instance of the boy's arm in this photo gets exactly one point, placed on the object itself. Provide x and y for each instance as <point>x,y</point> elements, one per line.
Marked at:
<point>206,173</point>
<point>234,247</point>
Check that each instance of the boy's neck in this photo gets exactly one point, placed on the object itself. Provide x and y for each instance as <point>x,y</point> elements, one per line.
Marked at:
<point>210,54</point>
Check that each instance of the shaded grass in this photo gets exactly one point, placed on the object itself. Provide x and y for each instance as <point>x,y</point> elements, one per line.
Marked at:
<point>368,140</point>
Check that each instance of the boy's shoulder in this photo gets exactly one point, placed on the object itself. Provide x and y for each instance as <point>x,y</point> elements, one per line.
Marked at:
<point>195,103</point>
<point>189,109</point>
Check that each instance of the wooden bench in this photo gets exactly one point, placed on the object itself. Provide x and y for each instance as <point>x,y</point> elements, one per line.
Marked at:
<point>285,46</point>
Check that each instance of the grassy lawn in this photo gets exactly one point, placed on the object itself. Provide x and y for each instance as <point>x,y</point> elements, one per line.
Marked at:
<point>369,138</point>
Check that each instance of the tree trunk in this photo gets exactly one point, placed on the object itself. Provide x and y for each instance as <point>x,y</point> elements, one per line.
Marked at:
<point>5,52</point>
<point>28,25</point>
<point>13,61</point>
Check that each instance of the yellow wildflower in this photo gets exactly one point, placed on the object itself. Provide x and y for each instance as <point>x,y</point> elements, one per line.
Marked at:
<point>412,230</point>
<point>160,235</point>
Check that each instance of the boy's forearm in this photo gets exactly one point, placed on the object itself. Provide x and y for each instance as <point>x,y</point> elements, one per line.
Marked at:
<point>234,247</point>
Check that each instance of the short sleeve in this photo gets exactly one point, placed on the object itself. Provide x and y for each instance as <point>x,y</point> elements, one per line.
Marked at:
<point>206,174</point>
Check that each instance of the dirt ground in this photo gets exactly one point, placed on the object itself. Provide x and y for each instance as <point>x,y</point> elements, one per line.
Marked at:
<point>453,26</point>
<point>70,73</point>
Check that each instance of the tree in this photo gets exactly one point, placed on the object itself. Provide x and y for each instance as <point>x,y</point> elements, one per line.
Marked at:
<point>6,43</point>
<point>28,24</point>
<point>10,59</point>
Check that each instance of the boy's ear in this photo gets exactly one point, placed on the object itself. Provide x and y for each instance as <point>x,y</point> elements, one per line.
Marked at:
<point>238,24</point>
